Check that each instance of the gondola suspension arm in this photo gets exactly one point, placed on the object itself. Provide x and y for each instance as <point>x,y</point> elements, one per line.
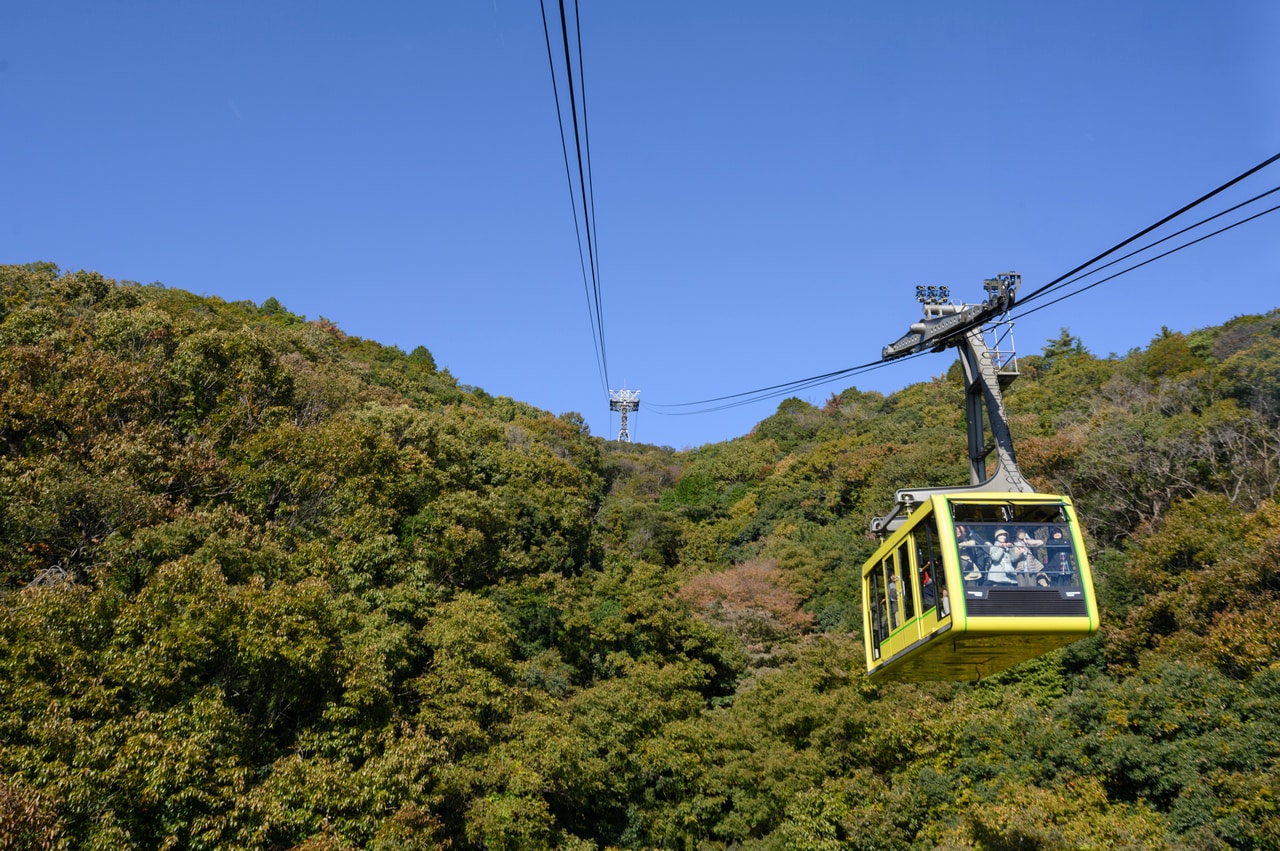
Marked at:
<point>986,370</point>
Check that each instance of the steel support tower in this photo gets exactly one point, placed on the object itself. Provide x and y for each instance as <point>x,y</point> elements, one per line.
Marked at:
<point>624,402</point>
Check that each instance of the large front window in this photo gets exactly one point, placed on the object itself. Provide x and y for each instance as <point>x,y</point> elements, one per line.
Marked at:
<point>1015,546</point>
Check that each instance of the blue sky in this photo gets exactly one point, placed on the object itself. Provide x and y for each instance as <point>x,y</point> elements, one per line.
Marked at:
<point>771,180</point>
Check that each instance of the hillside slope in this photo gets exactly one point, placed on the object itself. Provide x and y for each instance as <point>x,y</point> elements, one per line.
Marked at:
<point>266,585</point>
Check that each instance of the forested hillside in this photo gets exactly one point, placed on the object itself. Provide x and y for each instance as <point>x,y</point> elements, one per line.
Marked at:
<point>266,585</point>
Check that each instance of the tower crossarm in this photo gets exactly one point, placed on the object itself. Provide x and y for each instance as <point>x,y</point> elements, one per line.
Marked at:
<point>624,402</point>
<point>946,323</point>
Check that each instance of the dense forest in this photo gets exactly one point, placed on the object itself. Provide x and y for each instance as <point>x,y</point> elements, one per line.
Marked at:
<point>267,585</point>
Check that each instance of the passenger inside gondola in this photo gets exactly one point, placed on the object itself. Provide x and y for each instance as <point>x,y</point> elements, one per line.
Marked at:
<point>973,558</point>
<point>928,592</point>
<point>1000,551</point>
<point>1060,562</point>
<point>1026,558</point>
<point>894,623</point>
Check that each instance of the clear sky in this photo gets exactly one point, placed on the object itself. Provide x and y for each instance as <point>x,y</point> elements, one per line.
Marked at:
<point>771,180</point>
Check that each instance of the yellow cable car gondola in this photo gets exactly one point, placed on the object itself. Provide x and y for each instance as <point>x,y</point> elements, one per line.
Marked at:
<point>973,584</point>
<point>968,581</point>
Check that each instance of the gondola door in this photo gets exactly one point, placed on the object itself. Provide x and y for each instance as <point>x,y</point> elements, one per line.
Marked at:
<point>900,598</point>
<point>935,605</point>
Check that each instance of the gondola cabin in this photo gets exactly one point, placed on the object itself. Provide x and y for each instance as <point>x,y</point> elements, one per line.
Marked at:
<point>972,583</point>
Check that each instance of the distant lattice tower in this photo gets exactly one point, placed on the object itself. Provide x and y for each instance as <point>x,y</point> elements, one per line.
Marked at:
<point>624,402</point>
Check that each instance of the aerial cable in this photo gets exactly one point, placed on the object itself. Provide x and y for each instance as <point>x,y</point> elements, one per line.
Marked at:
<point>772,392</point>
<point>564,145</point>
<point>750,397</point>
<point>761,394</point>
<point>594,239</point>
<point>783,387</point>
<point>1045,290</point>
<point>592,290</point>
<point>1149,260</point>
<point>753,397</point>
<point>582,178</point>
<point>1148,230</point>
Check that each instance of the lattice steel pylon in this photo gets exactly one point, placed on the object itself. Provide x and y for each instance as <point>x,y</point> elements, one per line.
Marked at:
<point>624,402</point>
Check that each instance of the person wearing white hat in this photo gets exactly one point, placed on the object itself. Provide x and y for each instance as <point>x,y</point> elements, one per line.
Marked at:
<point>1001,554</point>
